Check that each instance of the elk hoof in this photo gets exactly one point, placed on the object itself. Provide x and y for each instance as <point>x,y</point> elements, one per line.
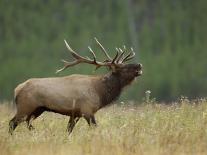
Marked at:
<point>30,127</point>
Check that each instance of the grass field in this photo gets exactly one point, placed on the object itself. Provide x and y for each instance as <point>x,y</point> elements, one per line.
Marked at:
<point>148,129</point>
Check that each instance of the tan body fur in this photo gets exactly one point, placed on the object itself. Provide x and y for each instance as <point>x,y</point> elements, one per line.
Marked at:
<point>59,94</point>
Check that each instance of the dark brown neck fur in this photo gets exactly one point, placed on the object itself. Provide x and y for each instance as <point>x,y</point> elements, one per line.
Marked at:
<point>110,87</point>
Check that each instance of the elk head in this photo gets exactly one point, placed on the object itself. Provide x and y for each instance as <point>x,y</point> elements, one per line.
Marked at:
<point>126,72</point>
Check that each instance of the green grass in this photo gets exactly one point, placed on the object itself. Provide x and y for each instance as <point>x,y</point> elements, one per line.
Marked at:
<point>179,128</point>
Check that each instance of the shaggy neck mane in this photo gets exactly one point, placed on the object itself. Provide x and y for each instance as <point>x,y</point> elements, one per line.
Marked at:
<point>110,88</point>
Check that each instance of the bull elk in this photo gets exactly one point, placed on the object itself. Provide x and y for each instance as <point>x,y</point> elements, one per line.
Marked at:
<point>75,95</point>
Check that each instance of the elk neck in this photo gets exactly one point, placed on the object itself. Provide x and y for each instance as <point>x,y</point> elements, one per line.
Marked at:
<point>110,87</point>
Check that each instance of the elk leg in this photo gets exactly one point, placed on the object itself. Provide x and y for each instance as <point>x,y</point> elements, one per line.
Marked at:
<point>90,120</point>
<point>33,116</point>
<point>28,120</point>
<point>14,122</point>
<point>71,124</point>
<point>12,125</point>
<point>93,121</point>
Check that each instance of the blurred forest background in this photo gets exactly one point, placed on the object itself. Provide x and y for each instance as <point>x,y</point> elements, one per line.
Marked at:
<point>169,36</point>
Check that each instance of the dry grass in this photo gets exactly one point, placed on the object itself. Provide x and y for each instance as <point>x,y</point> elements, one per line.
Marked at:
<point>146,129</point>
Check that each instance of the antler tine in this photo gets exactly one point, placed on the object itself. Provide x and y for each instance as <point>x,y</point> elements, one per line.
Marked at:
<point>103,49</point>
<point>92,52</point>
<point>117,49</point>
<point>66,65</point>
<point>120,56</point>
<point>74,54</point>
<point>129,56</point>
<point>114,59</point>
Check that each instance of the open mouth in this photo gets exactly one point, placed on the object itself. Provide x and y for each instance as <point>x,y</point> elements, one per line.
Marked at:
<point>138,73</point>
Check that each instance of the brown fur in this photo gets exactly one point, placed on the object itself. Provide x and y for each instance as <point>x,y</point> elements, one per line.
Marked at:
<point>75,96</point>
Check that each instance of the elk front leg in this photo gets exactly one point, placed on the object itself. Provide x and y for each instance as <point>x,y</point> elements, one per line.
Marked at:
<point>90,120</point>
<point>71,124</point>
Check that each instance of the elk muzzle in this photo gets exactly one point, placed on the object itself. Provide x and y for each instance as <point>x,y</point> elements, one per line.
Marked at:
<point>138,71</point>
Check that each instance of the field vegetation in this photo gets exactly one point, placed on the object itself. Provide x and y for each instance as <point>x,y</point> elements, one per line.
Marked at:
<point>146,129</point>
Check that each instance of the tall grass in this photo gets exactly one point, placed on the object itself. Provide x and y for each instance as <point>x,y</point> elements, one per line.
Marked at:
<point>179,128</point>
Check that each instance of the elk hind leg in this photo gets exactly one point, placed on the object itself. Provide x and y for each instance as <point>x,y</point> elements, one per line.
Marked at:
<point>12,125</point>
<point>21,115</point>
<point>28,120</point>
<point>36,113</point>
<point>14,122</point>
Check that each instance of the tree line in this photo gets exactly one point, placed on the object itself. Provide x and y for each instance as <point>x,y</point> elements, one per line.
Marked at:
<point>169,38</point>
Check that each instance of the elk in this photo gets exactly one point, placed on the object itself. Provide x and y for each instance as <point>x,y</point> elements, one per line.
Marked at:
<point>75,95</point>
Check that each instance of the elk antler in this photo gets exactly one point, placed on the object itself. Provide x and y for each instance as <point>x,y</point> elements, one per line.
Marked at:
<point>129,56</point>
<point>118,60</point>
<point>103,49</point>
